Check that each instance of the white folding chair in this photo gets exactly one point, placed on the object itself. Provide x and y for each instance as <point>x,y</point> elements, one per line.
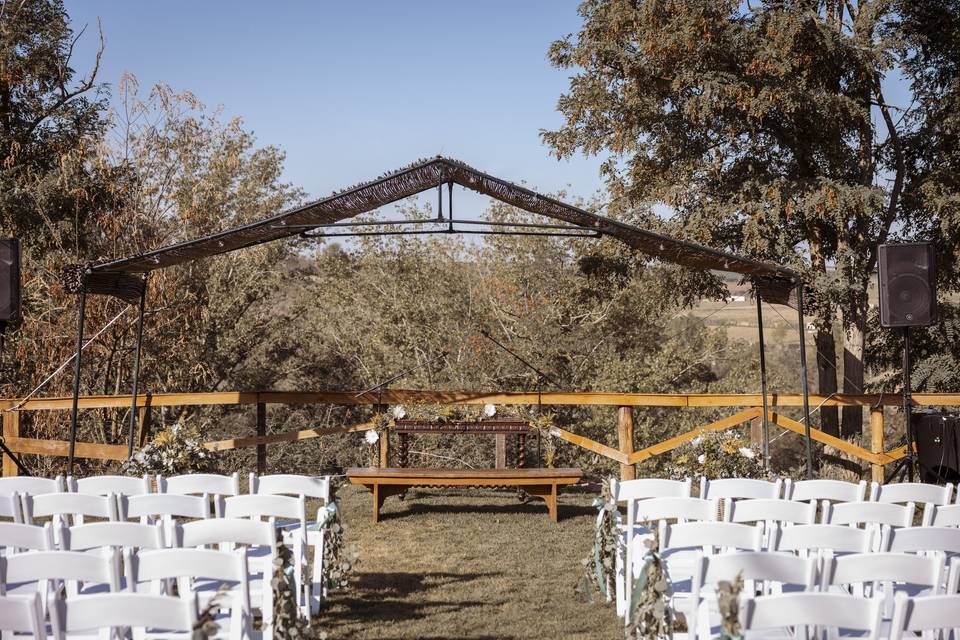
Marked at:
<point>649,510</point>
<point>11,507</point>
<point>643,488</point>
<point>740,488</point>
<point>806,610</point>
<point>883,575</point>
<point>105,485</point>
<point>762,573</point>
<point>30,485</point>
<point>831,490</point>
<point>818,539</point>
<point>925,539</point>
<point>877,516</point>
<point>283,508</point>
<point>205,572</point>
<point>769,511</point>
<point>70,509</point>
<point>928,495</point>
<point>225,534</point>
<point>116,612</point>
<point>47,572</point>
<point>214,485</point>
<point>165,508</point>
<point>16,537</point>
<point>316,487</point>
<point>22,614</point>
<point>933,616</point>
<point>945,516</point>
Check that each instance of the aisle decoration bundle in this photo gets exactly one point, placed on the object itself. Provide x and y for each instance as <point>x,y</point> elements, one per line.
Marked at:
<point>174,451</point>
<point>717,454</point>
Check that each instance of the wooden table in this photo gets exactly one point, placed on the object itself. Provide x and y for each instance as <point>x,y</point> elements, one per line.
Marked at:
<point>540,483</point>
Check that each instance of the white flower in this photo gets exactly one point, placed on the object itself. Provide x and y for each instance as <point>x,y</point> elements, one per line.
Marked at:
<point>702,458</point>
<point>371,436</point>
<point>747,452</point>
<point>696,441</point>
<point>489,410</point>
<point>399,413</point>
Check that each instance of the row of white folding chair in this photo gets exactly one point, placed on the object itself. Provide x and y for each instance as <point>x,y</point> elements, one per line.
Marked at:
<point>110,614</point>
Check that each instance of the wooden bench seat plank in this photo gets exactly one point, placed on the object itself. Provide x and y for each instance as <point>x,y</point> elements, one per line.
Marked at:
<point>541,483</point>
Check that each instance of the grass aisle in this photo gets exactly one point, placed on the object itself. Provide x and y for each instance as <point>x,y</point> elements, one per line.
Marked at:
<point>467,564</point>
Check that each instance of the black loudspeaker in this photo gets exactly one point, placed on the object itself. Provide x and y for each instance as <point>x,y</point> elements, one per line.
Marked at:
<point>937,437</point>
<point>9,281</point>
<point>908,284</point>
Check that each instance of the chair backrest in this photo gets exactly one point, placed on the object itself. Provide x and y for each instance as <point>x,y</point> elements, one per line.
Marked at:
<point>769,509</point>
<point>291,485</point>
<point>104,485</point>
<point>30,485</point>
<point>918,492</point>
<point>711,535</point>
<point>644,488</point>
<point>832,490</point>
<point>821,537</point>
<point>70,508</point>
<point>132,535</point>
<point>738,488</point>
<point>926,613</point>
<point>682,509</point>
<point>63,567</point>
<point>266,506</point>
<point>946,516</point>
<point>858,513</point>
<point>189,565</point>
<point>152,505</point>
<point>812,609</point>
<point>758,566</point>
<point>11,507</point>
<point>923,539</point>
<point>137,610</point>
<point>198,483</point>
<point>904,568</point>
<point>17,536</point>
<point>226,531</point>
<point>23,614</point>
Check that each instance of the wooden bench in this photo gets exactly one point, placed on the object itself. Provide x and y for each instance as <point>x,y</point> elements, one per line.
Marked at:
<point>540,483</point>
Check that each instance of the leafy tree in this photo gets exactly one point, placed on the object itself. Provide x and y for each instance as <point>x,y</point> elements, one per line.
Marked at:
<point>765,129</point>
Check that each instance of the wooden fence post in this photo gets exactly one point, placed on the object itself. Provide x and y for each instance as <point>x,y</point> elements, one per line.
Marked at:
<point>385,449</point>
<point>625,441</point>
<point>11,429</point>
<point>876,441</point>
<point>261,431</point>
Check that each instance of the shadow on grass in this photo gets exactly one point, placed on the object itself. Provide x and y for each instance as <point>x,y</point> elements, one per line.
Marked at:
<point>414,508</point>
<point>385,597</point>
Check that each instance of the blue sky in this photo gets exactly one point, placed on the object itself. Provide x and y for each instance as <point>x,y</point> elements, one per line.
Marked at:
<point>352,89</point>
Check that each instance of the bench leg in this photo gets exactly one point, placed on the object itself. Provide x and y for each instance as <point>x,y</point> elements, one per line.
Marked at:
<point>547,493</point>
<point>380,493</point>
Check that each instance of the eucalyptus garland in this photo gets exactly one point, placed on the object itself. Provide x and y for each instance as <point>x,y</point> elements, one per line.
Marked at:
<point>728,601</point>
<point>600,567</point>
<point>649,613</point>
<point>337,566</point>
<point>287,622</point>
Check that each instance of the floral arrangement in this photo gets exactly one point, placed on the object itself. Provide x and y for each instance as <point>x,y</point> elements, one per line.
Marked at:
<point>650,615</point>
<point>717,454</point>
<point>600,567</point>
<point>173,451</point>
<point>371,437</point>
<point>444,412</point>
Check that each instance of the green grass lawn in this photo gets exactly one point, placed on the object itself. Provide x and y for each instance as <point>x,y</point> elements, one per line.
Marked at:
<point>470,563</point>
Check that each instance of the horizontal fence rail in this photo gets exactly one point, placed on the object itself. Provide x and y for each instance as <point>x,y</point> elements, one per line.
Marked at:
<point>750,406</point>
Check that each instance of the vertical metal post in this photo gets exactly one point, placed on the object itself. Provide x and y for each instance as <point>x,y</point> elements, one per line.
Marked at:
<point>907,402</point>
<point>136,374</point>
<point>763,380</point>
<point>76,382</point>
<point>805,385</point>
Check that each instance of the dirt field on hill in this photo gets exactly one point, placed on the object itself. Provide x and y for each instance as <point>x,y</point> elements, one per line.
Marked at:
<point>473,564</point>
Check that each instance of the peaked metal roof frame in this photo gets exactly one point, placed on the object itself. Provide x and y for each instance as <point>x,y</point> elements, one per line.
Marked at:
<point>124,277</point>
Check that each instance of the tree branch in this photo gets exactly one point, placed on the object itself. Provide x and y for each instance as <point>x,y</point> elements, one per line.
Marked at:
<point>894,203</point>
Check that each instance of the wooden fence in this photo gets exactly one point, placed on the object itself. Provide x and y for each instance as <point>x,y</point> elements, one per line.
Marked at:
<point>749,408</point>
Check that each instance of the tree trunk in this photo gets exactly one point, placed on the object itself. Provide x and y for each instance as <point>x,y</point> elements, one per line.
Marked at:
<point>853,348</point>
<point>827,378</point>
